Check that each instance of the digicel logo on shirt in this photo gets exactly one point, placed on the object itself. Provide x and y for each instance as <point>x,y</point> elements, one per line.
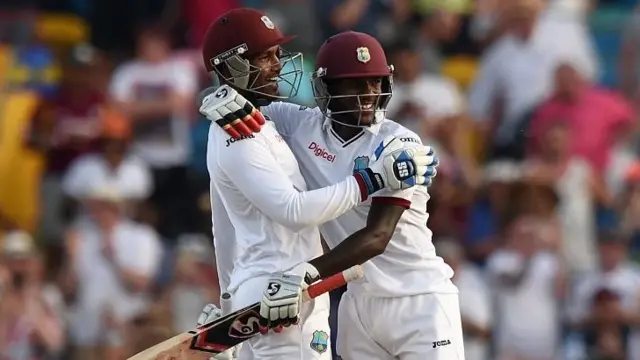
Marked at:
<point>320,152</point>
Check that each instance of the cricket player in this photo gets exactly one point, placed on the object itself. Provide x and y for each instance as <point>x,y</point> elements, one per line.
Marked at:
<point>407,307</point>
<point>265,219</point>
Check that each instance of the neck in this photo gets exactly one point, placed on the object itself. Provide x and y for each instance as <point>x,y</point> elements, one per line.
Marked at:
<point>345,132</point>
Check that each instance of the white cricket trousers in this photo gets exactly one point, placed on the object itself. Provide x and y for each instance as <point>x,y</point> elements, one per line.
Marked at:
<point>309,340</point>
<point>419,327</point>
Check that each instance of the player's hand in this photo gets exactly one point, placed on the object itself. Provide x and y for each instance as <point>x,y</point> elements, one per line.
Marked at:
<point>210,313</point>
<point>397,165</point>
<point>231,111</point>
<point>282,299</point>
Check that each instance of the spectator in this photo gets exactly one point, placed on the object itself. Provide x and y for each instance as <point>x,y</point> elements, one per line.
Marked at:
<point>31,324</point>
<point>111,165</point>
<point>111,264</point>
<point>368,16</point>
<point>65,128</point>
<point>438,24</point>
<point>195,283</point>
<point>526,277</point>
<point>422,102</point>
<point>492,209</point>
<point>528,53</point>
<point>157,92</point>
<point>609,295</point>
<point>597,118</point>
<point>576,186</point>
<point>475,300</point>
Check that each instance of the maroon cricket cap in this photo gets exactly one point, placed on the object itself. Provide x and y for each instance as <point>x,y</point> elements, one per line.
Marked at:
<point>247,29</point>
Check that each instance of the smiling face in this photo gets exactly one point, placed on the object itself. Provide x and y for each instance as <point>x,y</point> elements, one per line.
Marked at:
<point>269,67</point>
<point>356,99</point>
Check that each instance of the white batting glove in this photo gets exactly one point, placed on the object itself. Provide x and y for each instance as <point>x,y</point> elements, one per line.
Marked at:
<point>399,165</point>
<point>231,111</point>
<point>210,313</point>
<point>282,300</point>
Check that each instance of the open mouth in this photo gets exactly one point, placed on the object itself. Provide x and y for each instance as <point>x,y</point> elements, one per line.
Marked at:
<point>366,107</point>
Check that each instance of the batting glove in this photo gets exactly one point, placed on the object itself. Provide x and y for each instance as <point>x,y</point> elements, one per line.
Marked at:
<point>398,165</point>
<point>231,111</point>
<point>209,314</point>
<point>282,300</point>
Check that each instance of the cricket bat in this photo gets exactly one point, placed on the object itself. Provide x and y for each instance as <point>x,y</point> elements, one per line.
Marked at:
<point>217,336</point>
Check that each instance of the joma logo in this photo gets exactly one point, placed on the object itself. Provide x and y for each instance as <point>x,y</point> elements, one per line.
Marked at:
<point>441,343</point>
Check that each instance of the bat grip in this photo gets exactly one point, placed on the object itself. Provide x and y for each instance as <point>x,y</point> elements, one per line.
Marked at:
<point>332,282</point>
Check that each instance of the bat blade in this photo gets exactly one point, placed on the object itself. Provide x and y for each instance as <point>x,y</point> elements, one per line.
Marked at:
<point>230,330</point>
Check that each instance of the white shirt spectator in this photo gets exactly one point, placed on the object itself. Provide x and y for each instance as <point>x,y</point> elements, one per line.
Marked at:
<point>136,248</point>
<point>624,281</point>
<point>519,330</point>
<point>131,179</point>
<point>160,142</point>
<point>475,305</point>
<point>437,96</point>
<point>521,73</point>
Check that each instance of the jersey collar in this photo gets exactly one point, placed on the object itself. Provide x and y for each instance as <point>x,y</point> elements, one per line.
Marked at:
<point>326,125</point>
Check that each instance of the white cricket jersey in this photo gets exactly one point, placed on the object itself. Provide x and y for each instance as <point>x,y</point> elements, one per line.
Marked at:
<point>409,265</point>
<point>264,219</point>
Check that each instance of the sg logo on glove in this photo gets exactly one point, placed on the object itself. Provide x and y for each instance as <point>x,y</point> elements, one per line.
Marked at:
<point>222,93</point>
<point>273,289</point>
<point>402,170</point>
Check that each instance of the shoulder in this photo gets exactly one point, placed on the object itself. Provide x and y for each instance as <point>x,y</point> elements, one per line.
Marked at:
<point>221,143</point>
<point>391,128</point>
<point>285,111</point>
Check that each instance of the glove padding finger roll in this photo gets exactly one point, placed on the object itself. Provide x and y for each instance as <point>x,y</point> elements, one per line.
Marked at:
<point>398,166</point>
<point>282,300</point>
<point>231,111</point>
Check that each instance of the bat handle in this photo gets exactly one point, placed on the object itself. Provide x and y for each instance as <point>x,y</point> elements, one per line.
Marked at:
<point>332,282</point>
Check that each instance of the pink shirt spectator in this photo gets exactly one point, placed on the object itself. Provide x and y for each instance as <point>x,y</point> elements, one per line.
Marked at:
<point>596,120</point>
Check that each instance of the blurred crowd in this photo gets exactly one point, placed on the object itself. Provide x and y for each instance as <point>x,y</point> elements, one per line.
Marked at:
<point>105,223</point>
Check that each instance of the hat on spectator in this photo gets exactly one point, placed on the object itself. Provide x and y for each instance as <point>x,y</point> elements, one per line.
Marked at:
<point>18,244</point>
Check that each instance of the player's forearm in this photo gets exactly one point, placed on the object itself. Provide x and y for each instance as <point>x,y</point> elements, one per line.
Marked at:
<point>365,243</point>
<point>358,248</point>
<point>312,208</point>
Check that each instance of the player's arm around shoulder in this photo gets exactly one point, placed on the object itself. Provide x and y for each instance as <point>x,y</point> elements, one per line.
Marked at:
<point>287,116</point>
